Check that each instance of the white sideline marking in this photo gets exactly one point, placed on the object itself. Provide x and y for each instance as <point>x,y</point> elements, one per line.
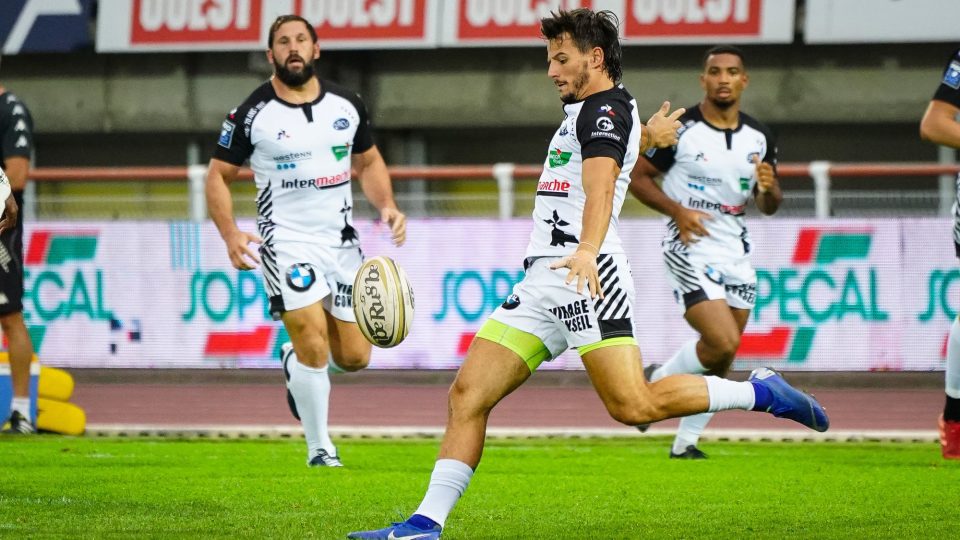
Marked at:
<point>435,432</point>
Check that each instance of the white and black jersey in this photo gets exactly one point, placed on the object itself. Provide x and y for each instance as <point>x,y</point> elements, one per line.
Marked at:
<point>949,91</point>
<point>300,156</point>
<point>712,170</point>
<point>604,124</point>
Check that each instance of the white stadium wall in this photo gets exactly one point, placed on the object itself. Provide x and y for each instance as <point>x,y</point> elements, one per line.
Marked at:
<point>833,295</point>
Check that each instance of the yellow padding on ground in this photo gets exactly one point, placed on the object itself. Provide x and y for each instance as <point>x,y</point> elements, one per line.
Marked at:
<point>60,417</point>
<point>54,384</point>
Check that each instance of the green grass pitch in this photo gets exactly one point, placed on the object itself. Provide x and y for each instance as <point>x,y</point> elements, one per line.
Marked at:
<point>538,488</point>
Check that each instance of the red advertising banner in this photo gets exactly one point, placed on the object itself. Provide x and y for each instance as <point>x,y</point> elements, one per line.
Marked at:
<point>695,18</point>
<point>203,25</point>
<point>172,21</point>
<point>517,22</point>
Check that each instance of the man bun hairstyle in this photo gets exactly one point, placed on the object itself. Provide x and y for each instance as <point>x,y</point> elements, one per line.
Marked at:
<point>284,19</point>
<point>588,29</point>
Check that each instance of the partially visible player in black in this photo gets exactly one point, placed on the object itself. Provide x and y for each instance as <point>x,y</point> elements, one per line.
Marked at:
<point>939,125</point>
<point>16,148</point>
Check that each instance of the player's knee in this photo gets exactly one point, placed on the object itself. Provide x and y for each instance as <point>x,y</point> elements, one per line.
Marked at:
<point>463,400</point>
<point>633,413</point>
<point>354,360</point>
<point>720,351</point>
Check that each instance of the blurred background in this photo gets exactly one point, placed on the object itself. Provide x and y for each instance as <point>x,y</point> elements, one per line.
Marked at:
<point>857,271</point>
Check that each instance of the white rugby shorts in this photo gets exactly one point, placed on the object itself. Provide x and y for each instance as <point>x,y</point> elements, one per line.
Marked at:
<point>298,274</point>
<point>695,280</point>
<point>543,305</point>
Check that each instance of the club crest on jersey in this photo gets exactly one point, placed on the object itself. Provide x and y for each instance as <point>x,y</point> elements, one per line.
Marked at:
<point>301,276</point>
<point>341,124</point>
<point>952,76</point>
<point>604,124</point>
<point>226,134</point>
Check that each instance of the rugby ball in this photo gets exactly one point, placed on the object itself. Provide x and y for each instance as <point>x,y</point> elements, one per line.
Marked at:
<point>383,302</point>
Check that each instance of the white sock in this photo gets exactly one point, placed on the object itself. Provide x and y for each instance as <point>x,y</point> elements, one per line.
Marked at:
<point>685,360</point>
<point>449,480</point>
<point>691,427</point>
<point>726,394</point>
<point>953,361</point>
<point>310,388</point>
<point>21,404</point>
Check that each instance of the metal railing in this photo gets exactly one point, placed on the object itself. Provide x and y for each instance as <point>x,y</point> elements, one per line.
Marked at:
<point>821,173</point>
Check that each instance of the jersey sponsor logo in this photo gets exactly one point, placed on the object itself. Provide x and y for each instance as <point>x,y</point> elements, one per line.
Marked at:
<point>713,275</point>
<point>341,124</point>
<point>340,152</point>
<point>209,21</point>
<point>751,156</point>
<point>744,184</point>
<point>604,124</point>
<point>511,302</point>
<point>288,161</point>
<point>606,134</point>
<point>301,276</point>
<point>746,291</point>
<point>251,114</point>
<point>607,109</point>
<point>691,185</point>
<point>226,134</point>
<point>553,188</point>
<point>706,180</point>
<point>559,237</point>
<point>729,209</point>
<point>951,77</point>
<point>558,158</point>
<point>320,182</point>
<point>575,316</point>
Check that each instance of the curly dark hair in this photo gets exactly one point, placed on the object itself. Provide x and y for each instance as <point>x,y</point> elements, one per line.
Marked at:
<point>589,29</point>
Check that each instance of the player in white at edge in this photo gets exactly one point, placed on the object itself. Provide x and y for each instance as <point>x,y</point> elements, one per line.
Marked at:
<point>577,291</point>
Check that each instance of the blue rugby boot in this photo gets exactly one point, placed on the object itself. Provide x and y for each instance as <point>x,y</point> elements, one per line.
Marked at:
<point>399,531</point>
<point>784,401</point>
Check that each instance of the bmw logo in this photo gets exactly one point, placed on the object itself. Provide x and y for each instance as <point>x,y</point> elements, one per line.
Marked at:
<point>301,276</point>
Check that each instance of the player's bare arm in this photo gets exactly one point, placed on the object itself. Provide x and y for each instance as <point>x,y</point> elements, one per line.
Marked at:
<point>645,188</point>
<point>375,182</point>
<point>220,206</point>
<point>599,179</point>
<point>10,211</point>
<point>17,169</point>
<point>939,124</point>
<point>660,131</point>
<point>767,192</point>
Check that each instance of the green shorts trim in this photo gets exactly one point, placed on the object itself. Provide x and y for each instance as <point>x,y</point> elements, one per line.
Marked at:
<point>609,342</point>
<point>528,347</point>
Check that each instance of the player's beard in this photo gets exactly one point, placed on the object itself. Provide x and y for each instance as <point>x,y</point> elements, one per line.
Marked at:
<point>723,104</point>
<point>294,79</point>
<point>576,86</point>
